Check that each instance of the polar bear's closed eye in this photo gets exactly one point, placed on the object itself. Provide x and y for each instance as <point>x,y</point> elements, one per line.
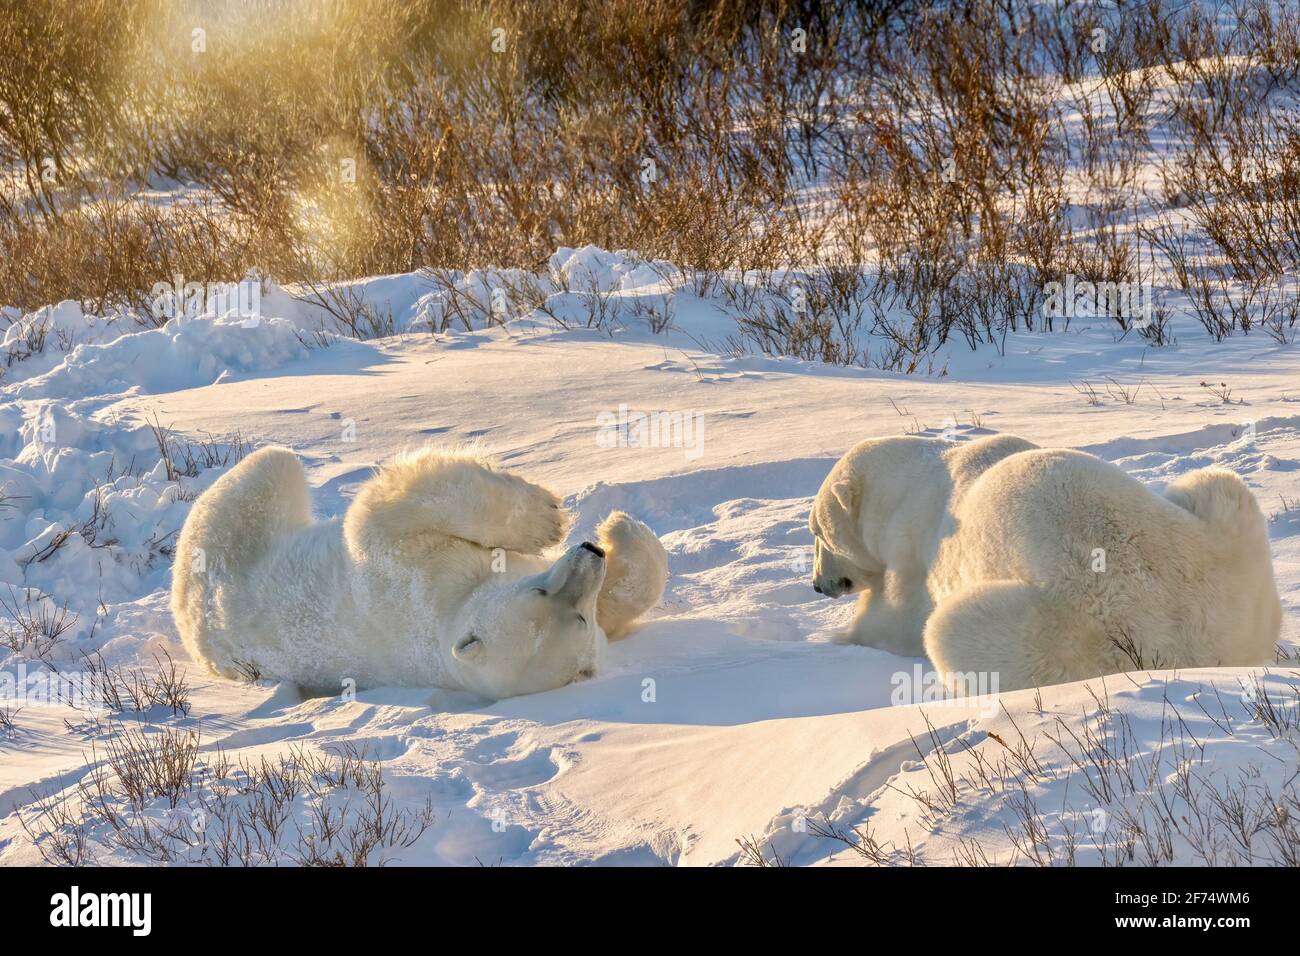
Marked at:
<point>468,647</point>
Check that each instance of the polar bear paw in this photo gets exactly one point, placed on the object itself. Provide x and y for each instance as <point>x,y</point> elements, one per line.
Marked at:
<point>636,572</point>
<point>536,519</point>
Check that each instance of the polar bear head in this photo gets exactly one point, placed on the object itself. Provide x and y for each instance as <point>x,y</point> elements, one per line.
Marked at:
<point>532,633</point>
<point>841,563</point>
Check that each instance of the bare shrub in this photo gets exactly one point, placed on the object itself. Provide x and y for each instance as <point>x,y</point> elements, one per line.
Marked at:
<point>155,800</point>
<point>187,459</point>
<point>753,853</point>
<point>57,829</point>
<point>32,624</point>
<point>1146,802</point>
<point>152,763</point>
<point>125,690</point>
<point>8,722</point>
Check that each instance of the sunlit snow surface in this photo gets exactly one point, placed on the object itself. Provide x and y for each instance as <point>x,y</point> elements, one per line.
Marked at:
<point>731,714</point>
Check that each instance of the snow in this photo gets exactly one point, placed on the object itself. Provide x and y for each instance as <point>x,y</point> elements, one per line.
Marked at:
<point>732,713</point>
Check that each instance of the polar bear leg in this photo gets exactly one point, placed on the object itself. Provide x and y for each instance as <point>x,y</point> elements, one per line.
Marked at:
<point>234,521</point>
<point>230,527</point>
<point>891,613</point>
<point>458,495</point>
<point>636,571</point>
<point>1015,634</point>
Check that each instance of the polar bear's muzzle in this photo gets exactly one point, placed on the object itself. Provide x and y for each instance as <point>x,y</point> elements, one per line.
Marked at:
<point>833,574</point>
<point>577,577</point>
<point>834,588</point>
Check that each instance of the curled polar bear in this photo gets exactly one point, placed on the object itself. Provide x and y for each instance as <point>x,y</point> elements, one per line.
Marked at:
<point>877,522</point>
<point>433,577</point>
<point>1061,567</point>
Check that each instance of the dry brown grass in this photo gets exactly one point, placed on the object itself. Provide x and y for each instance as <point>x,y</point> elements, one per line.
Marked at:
<point>352,137</point>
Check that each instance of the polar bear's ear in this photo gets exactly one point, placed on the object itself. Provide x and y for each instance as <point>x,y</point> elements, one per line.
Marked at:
<point>843,492</point>
<point>835,512</point>
<point>468,648</point>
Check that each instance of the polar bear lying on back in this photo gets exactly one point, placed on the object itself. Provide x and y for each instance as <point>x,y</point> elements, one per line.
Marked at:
<point>432,578</point>
<point>1062,567</point>
<point>877,522</point>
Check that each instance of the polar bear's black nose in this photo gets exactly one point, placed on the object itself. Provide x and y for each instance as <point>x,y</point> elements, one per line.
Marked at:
<point>594,548</point>
<point>818,589</point>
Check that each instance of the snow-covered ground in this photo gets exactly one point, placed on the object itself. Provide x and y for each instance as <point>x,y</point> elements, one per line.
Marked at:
<point>731,715</point>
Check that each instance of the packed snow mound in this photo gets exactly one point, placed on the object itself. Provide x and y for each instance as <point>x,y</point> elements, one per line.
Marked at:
<point>604,292</point>
<point>37,341</point>
<point>182,354</point>
<point>594,269</point>
<point>66,324</point>
<point>91,510</point>
<point>64,352</point>
<point>1148,769</point>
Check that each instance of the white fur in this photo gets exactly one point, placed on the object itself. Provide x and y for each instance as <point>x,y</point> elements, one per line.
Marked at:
<point>434,577</point>
<point>877,522</point>
<point>1188,579</point>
